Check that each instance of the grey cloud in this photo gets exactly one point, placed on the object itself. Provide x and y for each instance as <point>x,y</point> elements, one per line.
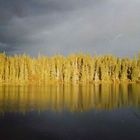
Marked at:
<point>67,26</point>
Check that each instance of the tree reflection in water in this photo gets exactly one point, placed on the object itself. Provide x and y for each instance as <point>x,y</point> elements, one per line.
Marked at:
<point>72,98</point>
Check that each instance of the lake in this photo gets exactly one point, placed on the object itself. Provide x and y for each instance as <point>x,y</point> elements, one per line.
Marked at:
<point>96,112</point>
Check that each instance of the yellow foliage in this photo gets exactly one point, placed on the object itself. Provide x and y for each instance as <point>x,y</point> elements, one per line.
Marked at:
<point>80,68</point>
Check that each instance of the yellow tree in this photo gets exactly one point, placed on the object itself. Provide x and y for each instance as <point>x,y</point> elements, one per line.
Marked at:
<point>2,65</point>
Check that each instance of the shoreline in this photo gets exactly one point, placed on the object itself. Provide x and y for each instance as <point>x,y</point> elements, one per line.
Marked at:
<point>66,83</point>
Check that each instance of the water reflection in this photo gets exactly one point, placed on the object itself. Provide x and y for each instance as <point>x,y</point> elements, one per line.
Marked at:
<point>72,98</point>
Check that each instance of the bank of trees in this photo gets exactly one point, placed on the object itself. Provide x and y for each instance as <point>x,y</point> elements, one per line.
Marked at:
<point>72,69</point>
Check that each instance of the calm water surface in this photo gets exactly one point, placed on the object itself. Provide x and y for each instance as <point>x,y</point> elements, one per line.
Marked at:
<point>92,112</point>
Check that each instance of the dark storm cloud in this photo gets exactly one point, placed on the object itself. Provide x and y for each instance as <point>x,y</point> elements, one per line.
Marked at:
<point>67,26</point>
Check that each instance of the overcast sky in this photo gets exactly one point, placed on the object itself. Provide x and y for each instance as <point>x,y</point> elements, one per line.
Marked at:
<point>70,26</point>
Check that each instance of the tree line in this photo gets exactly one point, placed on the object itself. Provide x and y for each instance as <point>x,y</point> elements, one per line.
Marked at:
<point>76,68</point>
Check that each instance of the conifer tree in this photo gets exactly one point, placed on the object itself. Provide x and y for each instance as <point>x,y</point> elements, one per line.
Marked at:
<point>135,70</point>
<point>2,65</point>
<point>123,70</point>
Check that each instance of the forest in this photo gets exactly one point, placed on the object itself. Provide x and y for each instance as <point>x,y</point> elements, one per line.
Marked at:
<point>74,69</point>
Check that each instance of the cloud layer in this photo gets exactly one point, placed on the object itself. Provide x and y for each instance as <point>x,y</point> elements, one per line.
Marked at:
<point>70,26</point>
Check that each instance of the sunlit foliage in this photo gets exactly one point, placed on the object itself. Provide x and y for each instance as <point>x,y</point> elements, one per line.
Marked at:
<point>74,69</point>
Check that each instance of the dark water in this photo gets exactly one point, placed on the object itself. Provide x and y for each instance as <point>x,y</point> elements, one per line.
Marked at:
<point>92,112</point>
